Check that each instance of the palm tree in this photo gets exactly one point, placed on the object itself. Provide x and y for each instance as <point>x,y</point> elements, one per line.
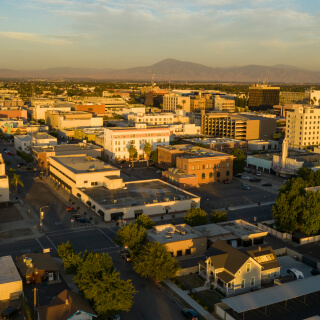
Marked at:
<point>147,148</point>
<point>16,181</point>
<point>132,152</point>
<point>183,102</point>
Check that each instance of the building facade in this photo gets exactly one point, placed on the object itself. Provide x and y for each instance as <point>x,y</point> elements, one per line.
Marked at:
<point>4,182</point>
<point>288,97</point>
<point>263,97</point>
<point>174,101</point>
<point>224,103</point>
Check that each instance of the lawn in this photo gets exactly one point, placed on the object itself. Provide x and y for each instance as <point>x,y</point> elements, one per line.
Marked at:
<point>191,281</point>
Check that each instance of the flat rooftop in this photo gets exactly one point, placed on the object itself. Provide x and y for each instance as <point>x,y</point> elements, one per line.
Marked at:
<point>171,233</point>
<point>84,164</point>
<point>8,270</point>
<point>137,193</point>
<point>214,140</point>
<point>243,229</point>
<point>66,148</point>
<point>212,230</point>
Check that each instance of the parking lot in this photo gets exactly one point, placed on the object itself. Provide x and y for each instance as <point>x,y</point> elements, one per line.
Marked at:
<point>287,262</point>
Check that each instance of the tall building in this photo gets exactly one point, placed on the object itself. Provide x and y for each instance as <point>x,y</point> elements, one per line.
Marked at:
<point>236,126</point>
<point>263,97</point>
<point>288,97</point>
<point>4,182</point>
<point>224,103</point>
<point>174,101</point>
<point>302,127</point>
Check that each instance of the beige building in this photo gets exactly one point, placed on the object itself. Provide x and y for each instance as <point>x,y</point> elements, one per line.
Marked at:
<point>10,279</point>
<point>235,126</point>
<point>303,127</point>
<point>39,111</point>
<point>152,119</point>
<point>181,240</point>
<point>24,142</point>
<point>4,182</point>
<point>224,103</point>
<point>174,101</point>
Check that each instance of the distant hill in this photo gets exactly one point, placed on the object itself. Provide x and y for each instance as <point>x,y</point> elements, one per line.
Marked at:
<point>175,70</point>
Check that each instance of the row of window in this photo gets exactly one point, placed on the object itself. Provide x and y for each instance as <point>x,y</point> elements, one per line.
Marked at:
<point>140,135</point>
<point>62,173</point>
<point>118,143</point>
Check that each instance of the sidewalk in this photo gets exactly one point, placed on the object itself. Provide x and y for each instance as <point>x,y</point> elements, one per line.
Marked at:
<point>252,205</point>
<point>68,278</point>
<point>193,304</point>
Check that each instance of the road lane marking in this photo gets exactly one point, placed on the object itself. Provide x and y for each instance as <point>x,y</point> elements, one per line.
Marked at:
<point>52,243</point>
<point>83,229</point>
<point>107,236</point>
<point>40,243</point>
<point>106,249</point>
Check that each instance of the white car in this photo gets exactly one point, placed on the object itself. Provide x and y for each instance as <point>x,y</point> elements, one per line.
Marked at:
<point>296,273</point>
<point>245,177</point>
<point>158,171</point>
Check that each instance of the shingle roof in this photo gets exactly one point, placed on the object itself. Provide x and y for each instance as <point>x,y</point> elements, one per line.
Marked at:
<point>63,306</point>
<point>225,276</point>
<point>227,257</point>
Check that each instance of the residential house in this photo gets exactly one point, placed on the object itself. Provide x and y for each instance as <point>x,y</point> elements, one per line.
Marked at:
<point>66,305</point>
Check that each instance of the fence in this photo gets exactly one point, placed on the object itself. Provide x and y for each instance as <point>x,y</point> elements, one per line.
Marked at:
<point>221,311</point>
<point>276,233</point>
<point>187,271</point>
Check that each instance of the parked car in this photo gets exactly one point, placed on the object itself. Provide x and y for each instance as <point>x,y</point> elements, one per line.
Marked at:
<point>158,171</point>
<point>254,180</point>
<point>226,181</point>
<point>77,216</point>
<point>296,273</point>
<point>9,152</point>
<point>267,184</point>
<point>245,187</point>
<point>258,173</point>
<point>10,312</point>
<point>69,208</point>
<point>315,272</point>
<point>115,317</point>
<point>19,165</point>
<point>125,255</point>
<point>245,177</point>
<point>122,161</point>
<point>83,220</point>
<point>190,314</point>
<point>239,175</point>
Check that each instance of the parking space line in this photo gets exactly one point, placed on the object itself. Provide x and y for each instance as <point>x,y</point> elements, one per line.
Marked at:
<point>52,243</point>
<point>58,231</point>
<point>107,236</point>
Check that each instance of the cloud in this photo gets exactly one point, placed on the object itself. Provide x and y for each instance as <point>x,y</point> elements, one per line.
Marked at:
<point>38,38</point>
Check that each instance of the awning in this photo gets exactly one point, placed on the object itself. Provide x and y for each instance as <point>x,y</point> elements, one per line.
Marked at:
<point>225,276</point>
<point>116,215</point>
<point>265,297</point>
<point>101,213</point>
<point>78,195</point>
<point>88,203</point>
<point>93,207</point>
<point>138,211</point>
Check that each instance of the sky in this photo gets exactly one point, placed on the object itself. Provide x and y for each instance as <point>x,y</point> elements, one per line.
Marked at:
<point>38,34</point>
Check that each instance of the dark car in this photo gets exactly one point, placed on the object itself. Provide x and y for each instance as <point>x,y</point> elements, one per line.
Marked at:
<point>69,208</point>
<point>315,272</point>
<point>239,175</point>
<point>267,184</point>
<point>83,220</point>
<point>125,255</point>
<point>190,314</point>
<point>77,216</point>
<point>9,313</point>
<point>254,180</point>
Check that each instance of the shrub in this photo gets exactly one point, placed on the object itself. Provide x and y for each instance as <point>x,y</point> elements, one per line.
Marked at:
<point>218,216</point>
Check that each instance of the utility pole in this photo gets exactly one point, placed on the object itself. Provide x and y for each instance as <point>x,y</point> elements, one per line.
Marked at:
<point>35,303</point>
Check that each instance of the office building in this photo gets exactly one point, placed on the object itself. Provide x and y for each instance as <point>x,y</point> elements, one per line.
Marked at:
<point>175,101</point>
<point>263,97</point>
<point>288,97</point>
<point>224,103</point>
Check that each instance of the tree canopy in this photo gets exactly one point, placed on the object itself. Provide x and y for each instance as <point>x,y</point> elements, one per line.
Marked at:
<point>145,221</point>
<point>147,148</point>
<point>155,261</point>
<point>218,216</point>
<point>195,217</point>
<point>240,160</point>
<point>131,236</point>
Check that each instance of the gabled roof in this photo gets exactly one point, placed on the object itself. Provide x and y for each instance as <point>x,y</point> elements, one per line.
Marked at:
<point>265,257</point>
<point>40,261</point>
<point>64,306</point>
<point>225,256</point>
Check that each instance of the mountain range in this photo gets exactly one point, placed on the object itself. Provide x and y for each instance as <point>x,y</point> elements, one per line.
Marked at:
<point>174,70</point>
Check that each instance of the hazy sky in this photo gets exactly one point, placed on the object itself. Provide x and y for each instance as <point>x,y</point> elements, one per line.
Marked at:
<point>129,33</point>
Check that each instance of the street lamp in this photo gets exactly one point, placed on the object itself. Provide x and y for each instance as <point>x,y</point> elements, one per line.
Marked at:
<point>42,215</point>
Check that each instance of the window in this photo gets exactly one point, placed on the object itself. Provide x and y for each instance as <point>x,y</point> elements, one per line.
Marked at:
<point>269,275</point>
<point>188,252</point>
<point>94,183</point>
<point>218,174</point>
<point>179,253</point>
<point>228,164</point>
<point>198,167</point>
<point>248,267</point>
<point>85,181</point>
<point>275,274</point>
<point>243,284</point>
<point>203,176</point>
<point>210,175</point>
<point>203,166</point>
<point>252,282</point>
<point>228,173</point>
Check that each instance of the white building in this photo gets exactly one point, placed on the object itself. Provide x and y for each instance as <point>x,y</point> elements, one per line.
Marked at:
<point>24,142</point>
<point>118,140</point>
<point>303,127</point>
<point>172,100</point>
<point>223,103</point>
<point>260,145</point>
<point>4,184</point>
<point>152,119</point>
<point>10,279</point>
<point>39,111</point>
<point>184,129</point>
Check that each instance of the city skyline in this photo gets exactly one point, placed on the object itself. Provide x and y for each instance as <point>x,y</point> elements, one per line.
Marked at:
<point>106,34</point>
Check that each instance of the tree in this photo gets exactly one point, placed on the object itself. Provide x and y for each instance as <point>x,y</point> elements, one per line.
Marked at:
<point>183,103</point>
<point>155,261</point>
<point>218,216</point>
<point>147,148</point>
<point>195,217</point>
<point>154,156</point>
<point>236,109</point>
<point>310,218</point>
<point>71,260</point>
<point>18,131</point>
<point>240,160</point>
<point>16,181</point>
<point>179,107</point>
<point>145,221</point>
<point>131,236</point>
<point>101,285</point>
<point>132,152</point>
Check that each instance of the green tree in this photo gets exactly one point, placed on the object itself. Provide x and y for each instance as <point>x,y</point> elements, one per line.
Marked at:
<point>132,152</point>
<point>183,103</point>
<point>195,217</point>
<point>147,148</point>
<point>310,218</point>
<point>71,260</point>
<point>145,221</point>
<point>102,286</point>
<point>16,182</point>
<point>155,261</point>
<point>18,131</point>
<point>240,160</point>
<point>132,236</point>
<point>218,216</point>
<point>154,156</point>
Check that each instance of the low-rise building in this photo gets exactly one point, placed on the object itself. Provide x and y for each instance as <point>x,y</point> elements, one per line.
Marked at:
<point>224,103</point>
<point>98,109</point>
<point>181,240</point>
<point>24,142</point>
<point>187,129</point>
<point>176,101</point>
<point>260,145</point>
<point>260,162</point>
<point>13,112</point>
<point>152,119</point>
<point>38,267</point>
<point>39,110</point>
<point>41,155</point>
<point>118,140</point>
<point>220,144</point>
<point>4,182</point>
<point>10,279</point>
<point>89,134</point>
